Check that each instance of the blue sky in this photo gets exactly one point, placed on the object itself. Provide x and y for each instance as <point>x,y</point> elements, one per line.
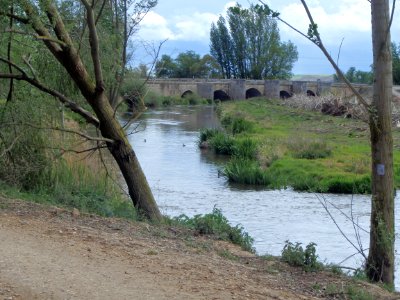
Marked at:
<point>186,25</point>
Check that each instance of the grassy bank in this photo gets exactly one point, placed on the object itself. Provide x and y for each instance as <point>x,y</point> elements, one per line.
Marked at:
<point>291,147</point>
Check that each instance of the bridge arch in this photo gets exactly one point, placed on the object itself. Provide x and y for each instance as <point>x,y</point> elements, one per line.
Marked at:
<point>310,93</point>
<point>221,95</point>
<point>186,93</point>
<point>253,92</point>
<point>284,94</point>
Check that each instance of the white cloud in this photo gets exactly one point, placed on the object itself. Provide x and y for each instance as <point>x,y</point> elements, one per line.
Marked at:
<point>155,27</point>
<point>346,19</point>
<point>193,28</point>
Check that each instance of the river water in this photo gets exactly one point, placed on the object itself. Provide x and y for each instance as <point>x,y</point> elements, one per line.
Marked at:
<point>185,180</point>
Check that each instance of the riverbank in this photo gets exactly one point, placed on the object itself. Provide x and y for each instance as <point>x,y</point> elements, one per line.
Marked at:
<point>302,149</point>
<point>54,253</point>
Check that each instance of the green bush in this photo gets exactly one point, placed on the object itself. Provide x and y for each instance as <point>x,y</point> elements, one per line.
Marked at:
<point>26,160</point>
<point>245,171</point>
<point>194,99</point>
<point>245,148</point>
<point>237,124</point>
<point>343,185</point>
<point>76,186</point>
<point>217,224</point>
<point>302,148</point>
<point>223,144</point>
<point>240,125</point>
<point>207,134</point>
<point>296,256</point>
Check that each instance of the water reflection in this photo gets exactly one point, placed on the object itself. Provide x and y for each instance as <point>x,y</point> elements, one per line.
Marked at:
<point>186,180</point>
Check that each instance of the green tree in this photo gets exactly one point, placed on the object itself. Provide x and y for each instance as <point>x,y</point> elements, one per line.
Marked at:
<point>248,45</point>
<point>396,63</point>
<point>357,76</point>
<point>187,65</point>
<point>165,67</point>
<point>55,33</point>
<point>221,48</point>
<point>190,64</point>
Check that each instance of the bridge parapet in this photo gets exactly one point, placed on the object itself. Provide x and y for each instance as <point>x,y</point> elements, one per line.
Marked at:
<point>241,88</point>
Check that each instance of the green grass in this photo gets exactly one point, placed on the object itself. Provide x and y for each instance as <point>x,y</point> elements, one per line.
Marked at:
<point>76,187</point>
<point>305,150</point>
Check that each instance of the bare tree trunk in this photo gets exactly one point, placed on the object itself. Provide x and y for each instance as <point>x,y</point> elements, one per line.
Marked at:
<point>380,264</point>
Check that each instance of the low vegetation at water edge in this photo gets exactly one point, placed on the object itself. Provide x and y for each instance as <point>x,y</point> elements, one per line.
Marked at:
<point>216,224</point>
<point>278,146</point>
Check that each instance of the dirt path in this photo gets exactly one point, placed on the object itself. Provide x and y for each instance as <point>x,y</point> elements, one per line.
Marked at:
<point>47,253</point>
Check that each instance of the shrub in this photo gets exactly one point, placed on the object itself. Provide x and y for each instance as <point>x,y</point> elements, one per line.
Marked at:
<point>217,224</point>
<point>245,148</point>
<point>343,185</point>
<point>296,256</point>
<point>194,99</point>
<point>245,171</point>
<point>303,148</point>
<point>207,134</point>
<point>223,144</point>
<point>237,125</point>
<point>240,125</point>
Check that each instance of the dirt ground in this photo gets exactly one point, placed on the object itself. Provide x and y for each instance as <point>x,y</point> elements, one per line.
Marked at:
<point>52,253</point>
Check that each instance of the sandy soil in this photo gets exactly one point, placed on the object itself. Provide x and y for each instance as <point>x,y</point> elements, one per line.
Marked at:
<point>51,253</point>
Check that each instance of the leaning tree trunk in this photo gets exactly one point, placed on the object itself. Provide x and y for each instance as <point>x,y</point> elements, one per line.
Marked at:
<point>380,264</point>
<point>94,93</point>
<point>121,150</point>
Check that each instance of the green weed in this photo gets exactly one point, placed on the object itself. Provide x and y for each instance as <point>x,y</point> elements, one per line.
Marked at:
<point>357,293</point>
<point>223,144</point>
<point>245,171</point>
<point>295,255</point>
<point>207,134</point>
<point>305,149</point>
<point>216,224</point>
<point>245,148</point>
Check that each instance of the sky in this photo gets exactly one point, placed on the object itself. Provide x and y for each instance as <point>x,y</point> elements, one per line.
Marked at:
<point>344,25</point>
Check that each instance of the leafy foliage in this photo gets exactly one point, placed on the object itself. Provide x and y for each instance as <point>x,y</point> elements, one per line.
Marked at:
<point>357,76</point>
<point>245,171</point>
<point>295,255</point>
<point>247,44</point>
<point>217,224</point>
<point>304,148</point>
<point>187,65</point>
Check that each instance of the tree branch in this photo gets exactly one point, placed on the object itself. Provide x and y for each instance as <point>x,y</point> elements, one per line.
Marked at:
<point>73,106</point>
<point>9,46</point>
<point>7,150</point>
<point>81,134</point>
<point>94,46</point>
<point>15,17</point>
<point>36,36</point>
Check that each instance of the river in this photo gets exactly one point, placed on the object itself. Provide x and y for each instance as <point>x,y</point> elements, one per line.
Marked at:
<point>185,180</point>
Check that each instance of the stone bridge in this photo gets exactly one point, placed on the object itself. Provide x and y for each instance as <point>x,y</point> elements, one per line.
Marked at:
<point>234,89</point>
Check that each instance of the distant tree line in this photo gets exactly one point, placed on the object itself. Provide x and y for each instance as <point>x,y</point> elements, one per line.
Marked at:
<point>245,45</point>
<point>358,76</point>
<point>187,65</point>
